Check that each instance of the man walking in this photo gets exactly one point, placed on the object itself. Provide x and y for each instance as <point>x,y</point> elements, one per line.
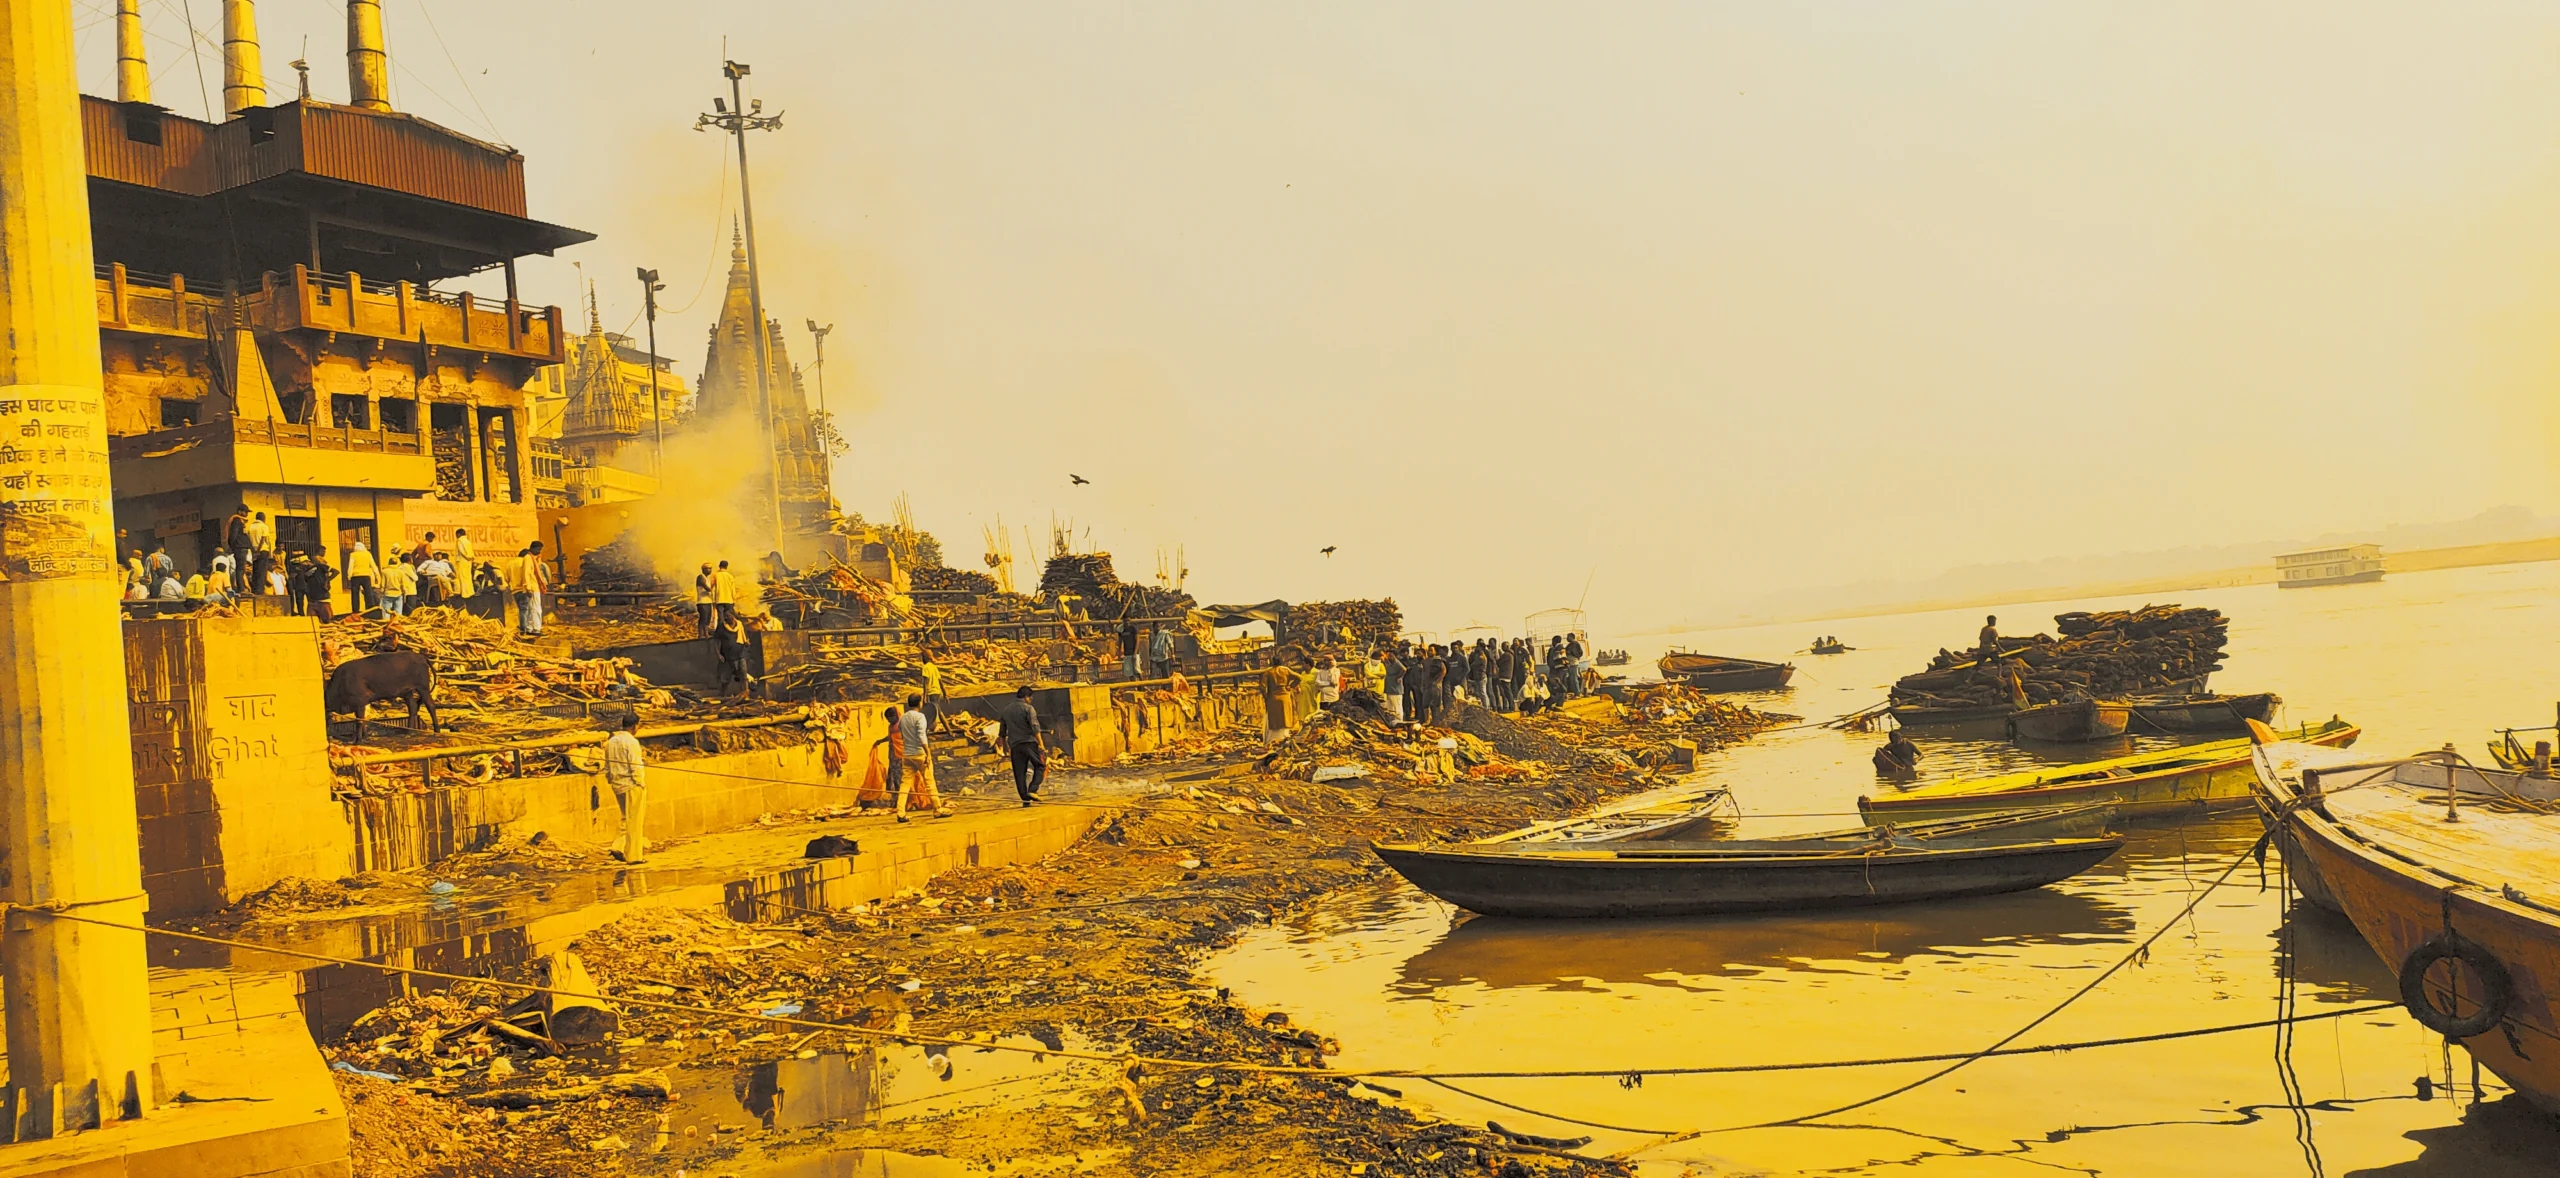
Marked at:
<point>1018,725</point>
<point>626,769</point>
<point>361,574</point>
<point>532,577</point>
<point>915,745</point>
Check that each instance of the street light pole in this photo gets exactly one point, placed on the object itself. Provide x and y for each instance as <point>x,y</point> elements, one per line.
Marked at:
<point>649,288</point>
<point>738,118</point>
<point>826,453</point>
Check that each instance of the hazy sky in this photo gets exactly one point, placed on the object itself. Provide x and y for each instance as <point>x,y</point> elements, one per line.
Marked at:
<point>1709,298</point>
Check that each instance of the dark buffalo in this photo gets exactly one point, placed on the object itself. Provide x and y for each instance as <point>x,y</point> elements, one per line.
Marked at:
<point>393,675</point>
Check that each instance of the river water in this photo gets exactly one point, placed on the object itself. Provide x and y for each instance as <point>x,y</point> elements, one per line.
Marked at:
<point>2418,659</point>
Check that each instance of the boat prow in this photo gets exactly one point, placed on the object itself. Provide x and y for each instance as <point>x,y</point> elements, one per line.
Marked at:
<point>2451,873</point>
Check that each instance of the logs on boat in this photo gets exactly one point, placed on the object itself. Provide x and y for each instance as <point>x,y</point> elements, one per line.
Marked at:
<point>1322,622</point>
<point>2100,655</point>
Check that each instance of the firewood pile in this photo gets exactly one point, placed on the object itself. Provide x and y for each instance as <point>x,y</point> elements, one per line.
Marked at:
<point>2100,655</point>
<point>1345,739</point>
<point>619,566</point>
<point>480,666</point>
<point>881,672</point>
<point>943,579</point>
<point>836,587</point>
<point>1106,597</point>
<point>1322,622</point>
<point>1082,573</point>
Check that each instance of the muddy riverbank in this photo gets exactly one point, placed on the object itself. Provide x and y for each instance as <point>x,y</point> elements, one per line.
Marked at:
<point>966,1009</point>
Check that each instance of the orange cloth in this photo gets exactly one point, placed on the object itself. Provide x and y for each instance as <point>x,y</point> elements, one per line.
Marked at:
<point>875,779</point>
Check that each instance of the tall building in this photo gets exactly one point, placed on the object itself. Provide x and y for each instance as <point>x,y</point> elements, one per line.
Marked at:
<point>600,410</point>
<point>728,392</point>
<point>273,331</point>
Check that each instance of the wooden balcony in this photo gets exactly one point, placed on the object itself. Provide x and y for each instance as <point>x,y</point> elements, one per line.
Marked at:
<point>305,300</point>
<point>241,450</point>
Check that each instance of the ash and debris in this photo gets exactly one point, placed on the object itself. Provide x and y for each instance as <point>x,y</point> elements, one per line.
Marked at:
<point>1092,950</point>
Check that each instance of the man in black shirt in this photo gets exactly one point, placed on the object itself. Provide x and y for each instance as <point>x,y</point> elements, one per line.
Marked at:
<point>1018,726</point>
<point>1128,650</point>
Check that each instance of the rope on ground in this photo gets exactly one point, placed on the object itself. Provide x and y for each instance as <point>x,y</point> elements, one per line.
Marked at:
<point>2139,951</point>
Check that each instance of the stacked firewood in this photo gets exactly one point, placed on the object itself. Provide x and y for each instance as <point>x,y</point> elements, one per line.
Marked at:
<point>1083,573</point>
<point>1322,622</point>
<point>2100,655</point>
<point>619,566</point>
<point>939,577</point>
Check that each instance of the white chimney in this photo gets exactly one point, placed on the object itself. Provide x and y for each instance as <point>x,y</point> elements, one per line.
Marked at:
<point>133,74</point>
<point>244,82</point>
<point>368,64</point>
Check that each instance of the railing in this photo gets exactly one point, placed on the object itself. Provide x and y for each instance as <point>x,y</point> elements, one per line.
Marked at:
<point>252,431</point>
<point>510,754</point>
<point>307,299</point>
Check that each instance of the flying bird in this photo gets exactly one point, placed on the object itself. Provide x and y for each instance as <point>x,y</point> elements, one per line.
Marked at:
<point>1328,549</point>
<point>1079,480</point>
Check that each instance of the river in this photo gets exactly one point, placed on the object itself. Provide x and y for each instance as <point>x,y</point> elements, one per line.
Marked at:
<point>2418,659</point>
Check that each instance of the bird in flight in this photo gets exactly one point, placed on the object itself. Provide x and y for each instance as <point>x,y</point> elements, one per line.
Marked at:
<point>1328,549</point>
<point>1079,480</point>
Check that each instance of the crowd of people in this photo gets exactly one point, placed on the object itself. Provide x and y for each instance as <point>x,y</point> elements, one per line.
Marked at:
<point>1421,681</point>
<point>250,563</point>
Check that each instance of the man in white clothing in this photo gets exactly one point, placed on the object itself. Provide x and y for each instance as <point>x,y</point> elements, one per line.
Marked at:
<point>626,769</point>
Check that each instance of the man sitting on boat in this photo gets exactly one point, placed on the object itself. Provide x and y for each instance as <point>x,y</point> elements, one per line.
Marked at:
<point>1989,650</point>
<point>1898,757</point>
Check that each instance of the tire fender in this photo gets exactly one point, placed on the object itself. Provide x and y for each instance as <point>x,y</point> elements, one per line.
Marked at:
<point>2498,987</point>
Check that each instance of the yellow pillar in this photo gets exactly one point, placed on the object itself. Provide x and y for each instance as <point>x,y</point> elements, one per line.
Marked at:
<point>78,1009</point>
<point>133,71</point>
<point>368,77</point>
<point>244,80</point>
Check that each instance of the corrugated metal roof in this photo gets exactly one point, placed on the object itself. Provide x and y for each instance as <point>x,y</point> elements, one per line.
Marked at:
<point>388,150</point>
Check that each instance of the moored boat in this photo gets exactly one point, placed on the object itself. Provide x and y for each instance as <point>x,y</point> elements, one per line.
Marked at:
<point>1709,672</point>
<point>2071,721</point>
<point>2452,875</point>
<point>2166,784</point>
<point>1692,812</point>
<point>1697,879</point>
<point>2203,713</point>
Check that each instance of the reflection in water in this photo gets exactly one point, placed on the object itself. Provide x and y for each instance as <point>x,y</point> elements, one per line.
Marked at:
<point>2329,956</point>
<point>1502,954</point>
<point>2493,1140</point>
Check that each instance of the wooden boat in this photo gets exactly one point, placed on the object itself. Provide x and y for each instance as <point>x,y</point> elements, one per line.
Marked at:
<point>1708,672</point>
<point>2466,906</point>
<point>1683,814</point>
<point>2166,784</point>
<point>2203,713</point>
<point>1832,648</point>
<point>2071,721</point>
<point>1612,658</point>
<point>1698,879</point>
<point>1987,715</point>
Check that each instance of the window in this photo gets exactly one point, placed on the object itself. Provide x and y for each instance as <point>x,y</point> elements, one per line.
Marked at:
<point>399,415</point>
<point>349,411</point>
<point>142,123</point>
<point>298,533</point>
<point>296,404</point>
<point>175,413</point>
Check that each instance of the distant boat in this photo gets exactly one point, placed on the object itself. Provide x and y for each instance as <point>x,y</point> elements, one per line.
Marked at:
<point>1709,672</point>
<point>1832,648</point>
<point>2076,721</point>
<point>2465,906</point>
<point>2203,713</point>
<point>1612,658</point>
<point>2354,564</point>
<point>1737,876</point>
<point>2168,783</point>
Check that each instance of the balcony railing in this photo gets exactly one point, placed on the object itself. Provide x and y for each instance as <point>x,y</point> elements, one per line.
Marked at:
<point>310,300</point>
<point>250,431</point>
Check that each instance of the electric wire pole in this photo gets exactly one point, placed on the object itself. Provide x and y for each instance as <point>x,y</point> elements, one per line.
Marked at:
<point>737,118</point>
<point>826,453</point>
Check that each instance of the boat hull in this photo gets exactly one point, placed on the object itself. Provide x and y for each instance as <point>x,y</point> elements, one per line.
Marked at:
<point>2398,906</point>
<point>1552,885</point>
<point>2227,782</point>
<point>2074,722</point>
<point>2228,713</point>
<point>2366,577</point>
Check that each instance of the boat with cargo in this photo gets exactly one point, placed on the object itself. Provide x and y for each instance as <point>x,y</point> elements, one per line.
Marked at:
<point>2203,713</point>
<point>2162,784</point>
<point>2451,873</point>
